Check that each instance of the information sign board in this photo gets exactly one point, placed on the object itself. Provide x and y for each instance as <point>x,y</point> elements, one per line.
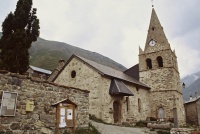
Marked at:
<point>8,103</point>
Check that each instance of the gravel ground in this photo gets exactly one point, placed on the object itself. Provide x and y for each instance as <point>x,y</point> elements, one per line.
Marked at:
<point>112,129</point>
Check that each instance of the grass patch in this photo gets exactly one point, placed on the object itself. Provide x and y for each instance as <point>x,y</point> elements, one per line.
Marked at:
<point>152,119</point>
<point>163,132</point>
<point>90,130</point>
<point>152,129</point>
<point>94,118</point>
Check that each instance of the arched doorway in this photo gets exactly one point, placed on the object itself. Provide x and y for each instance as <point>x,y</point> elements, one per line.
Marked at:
<point>117,111</point>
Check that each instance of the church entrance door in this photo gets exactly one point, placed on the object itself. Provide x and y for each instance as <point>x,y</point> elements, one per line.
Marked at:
<point>116,111</point>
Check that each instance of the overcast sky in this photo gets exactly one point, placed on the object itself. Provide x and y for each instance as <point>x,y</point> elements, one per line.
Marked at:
<point>116,28</point>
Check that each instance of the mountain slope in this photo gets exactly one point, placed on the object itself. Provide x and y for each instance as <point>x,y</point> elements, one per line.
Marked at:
<point>188,80</point>
<point>46,54</point>
<point>191,90</point>
<point>192,83</point>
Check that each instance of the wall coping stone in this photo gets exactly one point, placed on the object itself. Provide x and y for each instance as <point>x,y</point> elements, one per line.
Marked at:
<point>38,80</point>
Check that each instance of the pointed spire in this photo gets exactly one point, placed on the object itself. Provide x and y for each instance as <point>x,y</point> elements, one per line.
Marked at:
<point>156,32</point>
<point>140,50</point>
<point>174,52</point>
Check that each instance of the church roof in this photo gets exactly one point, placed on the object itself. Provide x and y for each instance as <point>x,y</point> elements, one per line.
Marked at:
<point>104,70</point>
<point>192,100</point>
<point>133,72</point>
<point>117,87</point>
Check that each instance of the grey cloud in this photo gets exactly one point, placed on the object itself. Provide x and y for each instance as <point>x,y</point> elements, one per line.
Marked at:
<point>116,29</point>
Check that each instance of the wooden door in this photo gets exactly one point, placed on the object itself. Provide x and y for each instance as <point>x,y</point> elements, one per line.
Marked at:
<point>116,111</point>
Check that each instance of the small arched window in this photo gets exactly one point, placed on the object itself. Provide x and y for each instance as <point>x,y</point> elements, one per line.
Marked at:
<point>161,113</point>
<point>160,61</point>
<point>149,63</point>
<point>139,105</point>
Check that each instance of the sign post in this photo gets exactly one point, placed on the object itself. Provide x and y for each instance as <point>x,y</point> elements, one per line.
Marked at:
<point>65,117</point>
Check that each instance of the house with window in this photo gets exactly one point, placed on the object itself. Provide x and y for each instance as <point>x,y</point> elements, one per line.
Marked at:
<point>192,109</point>
<point>38,72</point>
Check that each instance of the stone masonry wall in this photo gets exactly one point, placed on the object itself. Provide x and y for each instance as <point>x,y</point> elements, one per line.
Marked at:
<point>191,113</point>
<point>168,100</point>
<point>43,118</point>
<point>164,82</point>
<point>198,111</point>
<point>142,95</point>
<point>169,59</point>
<point>84,80</point>
<point>161,79</point>
<point>101,102</point>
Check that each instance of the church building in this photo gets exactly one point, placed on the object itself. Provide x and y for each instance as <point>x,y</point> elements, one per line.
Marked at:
<point>148,89</point>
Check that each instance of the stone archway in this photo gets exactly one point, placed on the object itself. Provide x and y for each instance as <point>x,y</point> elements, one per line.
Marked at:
<point>117,111</point>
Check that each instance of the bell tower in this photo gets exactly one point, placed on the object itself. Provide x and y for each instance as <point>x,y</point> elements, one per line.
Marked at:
<point>158,69</point>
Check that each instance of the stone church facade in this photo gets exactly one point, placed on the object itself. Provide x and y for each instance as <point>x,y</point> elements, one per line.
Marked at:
<point>149,89</point>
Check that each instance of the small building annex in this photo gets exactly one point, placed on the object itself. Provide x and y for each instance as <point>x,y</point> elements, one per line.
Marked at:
<point>38,72</point>
<point>192,109</point>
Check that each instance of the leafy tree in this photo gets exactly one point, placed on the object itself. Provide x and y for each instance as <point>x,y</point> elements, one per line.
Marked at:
<point>19,30</point>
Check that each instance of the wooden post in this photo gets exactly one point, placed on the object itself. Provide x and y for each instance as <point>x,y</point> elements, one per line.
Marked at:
<point>175,113</point>
<point>175,118</point>
<point>57,118</point>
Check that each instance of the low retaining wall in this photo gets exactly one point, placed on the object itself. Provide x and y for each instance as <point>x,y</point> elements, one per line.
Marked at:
<point>162,125</point>
<point>43,118</point>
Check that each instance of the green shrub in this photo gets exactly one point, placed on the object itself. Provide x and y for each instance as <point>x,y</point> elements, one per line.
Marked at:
<point>153,119</point>
<point>66,132</point>
<point>163,132</point>
<point>90,130</point>
<point>152,129</point>
<point>94,118</point>
<point>141,124</point>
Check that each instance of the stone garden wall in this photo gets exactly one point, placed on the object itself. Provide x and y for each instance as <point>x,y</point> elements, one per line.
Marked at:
<point>43,118</point>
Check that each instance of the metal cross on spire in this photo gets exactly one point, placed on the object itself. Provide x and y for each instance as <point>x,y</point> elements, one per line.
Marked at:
<point>152,4</point>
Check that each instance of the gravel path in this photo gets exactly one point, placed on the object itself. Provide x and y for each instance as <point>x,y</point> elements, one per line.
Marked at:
<point>112,129</point>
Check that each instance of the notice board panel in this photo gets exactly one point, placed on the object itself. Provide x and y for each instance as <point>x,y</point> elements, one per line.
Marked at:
<point>8,103</point>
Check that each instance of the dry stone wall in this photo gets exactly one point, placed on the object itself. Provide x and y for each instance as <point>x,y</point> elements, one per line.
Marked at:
<point>43,118</point>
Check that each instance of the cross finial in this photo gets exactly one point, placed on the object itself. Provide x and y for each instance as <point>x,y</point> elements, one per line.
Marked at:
<point>152,4</point>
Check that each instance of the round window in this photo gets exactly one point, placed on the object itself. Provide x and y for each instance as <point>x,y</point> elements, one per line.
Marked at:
<point>73,74</point>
